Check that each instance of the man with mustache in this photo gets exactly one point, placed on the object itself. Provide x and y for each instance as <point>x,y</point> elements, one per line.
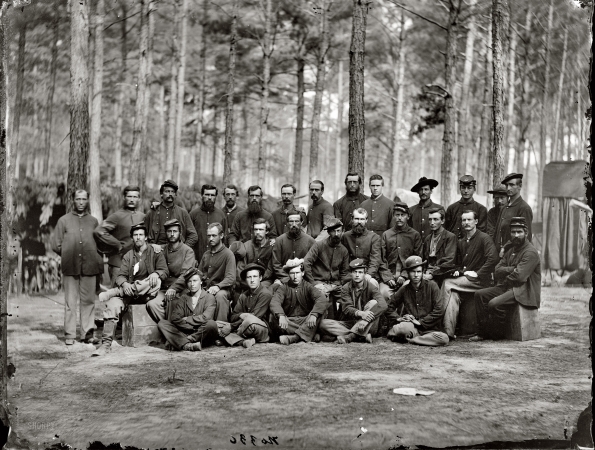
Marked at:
<point>241,230</point>
<point>294,244</point>
<point>205,215</point>
<point>352,200</point>
<point>326,265</point>
<point>516,207</point>
<point>257,251</point>
<point>518,279</point>
<point>280,215</point>
<point>474,264</point>
<point>500,200</point>
<point>440,248</point>
<point>379,208</point>
<point>113,235</point>
<point>231,209</point>
<point>418,218</point>
<point>317,209</point>
<point>167,210</point>
<point>467,187</point>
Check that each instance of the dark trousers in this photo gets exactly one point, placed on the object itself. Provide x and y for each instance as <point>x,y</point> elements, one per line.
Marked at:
<point>491,307</point>
<point>178,338</point>
<point>297,325</point>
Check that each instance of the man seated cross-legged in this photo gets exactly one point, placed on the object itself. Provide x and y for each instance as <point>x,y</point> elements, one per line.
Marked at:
<point>420,320</point>
<point>362,305</point>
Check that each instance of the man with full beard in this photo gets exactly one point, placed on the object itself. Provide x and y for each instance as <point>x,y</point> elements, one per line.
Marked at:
<point>500,201</point>
<point>205,215</point>
<point>241,230</point>
<point>280,215</point>
<point>257,251</point>
<point>352,200</point>
<point>317,209</point>
<point>231,209</point>
<point>291,245</point>
<point>326,264</point>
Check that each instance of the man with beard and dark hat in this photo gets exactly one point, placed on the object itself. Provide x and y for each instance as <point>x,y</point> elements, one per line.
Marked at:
<point>418,218</point>
<point>379,208</point>
<point>280,215</point>
<point>518,279</point>
<point>231,209</point>
<point>317,209</point>
<point>516,207</point>
<point>326,265</point>
<point>291,245</point>
<point>114,233</point>
<point>500,200</point>
<point>352,200</point>
<point>241,230</point>
<point>205,215</point>
<point>257,251</point>
<point>452,222</point>
<point>167,210</point>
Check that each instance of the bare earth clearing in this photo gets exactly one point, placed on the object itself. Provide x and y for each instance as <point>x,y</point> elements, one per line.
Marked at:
<point>307,395</point>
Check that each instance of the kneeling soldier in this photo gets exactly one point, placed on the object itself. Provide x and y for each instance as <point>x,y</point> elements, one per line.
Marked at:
<point>191,324</point>
<point>362,305</point>
<point>421,319</point>
<point>248,324</point>
<point>297,306</point>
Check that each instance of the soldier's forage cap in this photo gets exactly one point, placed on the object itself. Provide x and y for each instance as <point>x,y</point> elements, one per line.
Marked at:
<point>138,226</point>
<point>292,264</point>
<point>413,261</point>
<point>131,188</point>
<point>238,249</point>
<point>500,190</point>
<point>358,263</point>
<point>330,223</point>
<point>400,206</point>
<point>423,181</point>
<point>468,180</point>
<point>172,223</point>
<point>249,267</point>
<point>191,272</point>
<point>511,176</point>
<point>171,184</point>
<point>518,222</point>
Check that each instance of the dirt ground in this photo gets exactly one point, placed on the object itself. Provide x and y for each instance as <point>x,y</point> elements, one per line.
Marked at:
<point>312,396</point>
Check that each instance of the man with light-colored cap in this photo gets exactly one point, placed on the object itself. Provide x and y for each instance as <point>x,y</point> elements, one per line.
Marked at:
<point>290,245</point>
<point>518,279</point>
<point>516,207</point>
<point>418,218</point>
<point>326,265</point>
<point>297,307</point>
<point>362,305</point>
<point>500,200</point>
<point>467,187</point>
<point>247,324</point>
<point>420,320</point>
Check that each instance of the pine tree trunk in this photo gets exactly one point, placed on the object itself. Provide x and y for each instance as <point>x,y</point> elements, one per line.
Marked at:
<point>20,84</point>
<point>228,146</point>
<point>215,142</point>
<point>199,145</point>
<point>171,120</point>
<point>120,110</point>
<point>79,101</point>
<point>339,137</point>
<point>509,126</point>
<point>319,90</point>
<point>524,115</point>
<point>162,139</point>
<point>357,121</point>
<point>181,74</point>
<point>399,72</point>
<point>579,118</point>
<point>486,116</point>
<point>499,20</point>
<point>556,155</point>
<point>95,126</point>
<point>147,102</point>
<point>299,128</point>
<point>264,96</point>
<point>50,100</point>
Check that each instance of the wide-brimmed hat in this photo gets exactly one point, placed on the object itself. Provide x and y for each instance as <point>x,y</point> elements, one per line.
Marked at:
<point>423,181</point>
<point>413,261</point>
<point>511,176</point>
<point>292,264</point>
<point>252,266</point>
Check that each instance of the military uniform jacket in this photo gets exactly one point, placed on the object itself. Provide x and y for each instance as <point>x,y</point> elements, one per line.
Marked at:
<point>368,246</point>
<point>344,207</point>
<point>230,217</point>
<point>178,263</point>
<point>493,215</point>
<point>286,248</point>
<point>280,218</point>
<point>380,214</point>
<point>258,255</point>
<point>517,208</point>
<point>520,269</point>
<point>255,303</point>
<point>419,217</point>
<point>115,233</point>
<point>298,301</point>
<point>446,252</point>
<point>398,245</point>
<point>477,254</point>
<point>423,303</point>
<point>218,268</point>
<point>148,262</point>
<point>452,219</point>
<point>315,218</point>
<point>154,225</point>
<point>353,300</point>
<point>187,319</point>
<point>241,230</point>
<point>201,220</point>
<point>327,264</point>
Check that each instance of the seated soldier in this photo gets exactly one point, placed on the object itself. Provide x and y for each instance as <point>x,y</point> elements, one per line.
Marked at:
<point>257,250</point>
<point>362,305</point>
<point>293,244</point>
<point>191,323</point>
<point>297,307</point>
<point>518,279</point>
<point>440,247</point>
<point>326,264</point>
<point>475,261</point>
<point>420,321</point>
<point>140,264</point>
<point>247,324</point>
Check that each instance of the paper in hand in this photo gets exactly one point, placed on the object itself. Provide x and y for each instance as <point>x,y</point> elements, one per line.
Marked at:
<point>136,267</point>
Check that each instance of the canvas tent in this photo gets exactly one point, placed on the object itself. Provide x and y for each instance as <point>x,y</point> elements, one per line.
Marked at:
<point>566,217</point>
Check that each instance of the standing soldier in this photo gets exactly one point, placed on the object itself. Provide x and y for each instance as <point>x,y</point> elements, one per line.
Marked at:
<point>294,244</point>
<point>418,218</point>
<point>114,233</point>
<point>230,195</point>
<point>379,208</point>
<point>280,215</point>
<point>352,200</point>
<point>317,209</point>
<point>205,215</point>
<point>500,200</point>
<point>467,187</point>
<point>73,241</point>
<point>241,230</point>
<point>259,251</point>
<point>516,207</point>
<point>440,248</point>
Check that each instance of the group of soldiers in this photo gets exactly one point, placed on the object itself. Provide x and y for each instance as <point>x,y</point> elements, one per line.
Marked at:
<point>360,268</point>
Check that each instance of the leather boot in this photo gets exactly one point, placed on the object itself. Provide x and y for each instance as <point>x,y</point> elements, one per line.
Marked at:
<point>346,339</point>
<point>109,327</point>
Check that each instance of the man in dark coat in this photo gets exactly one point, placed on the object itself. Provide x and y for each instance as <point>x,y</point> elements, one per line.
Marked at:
<point>297,307</point>
<point>379,208</point>
<point>500,200</point>
<point>362,305</point>
<point>191,325</point>
<point>440,248</point>
<point>518,279</point>
<point>418,218</point>
<point>241,230</point>
<point>257,250</point>
<point>280,215</point>
<point>344,207</point>
<point>317,209</point>
<point>420,321</point>
<point>467,187</point>
<point>204,215</point>
<point>291,245</point>
<point>231,209</point>
<point>516,207</point>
